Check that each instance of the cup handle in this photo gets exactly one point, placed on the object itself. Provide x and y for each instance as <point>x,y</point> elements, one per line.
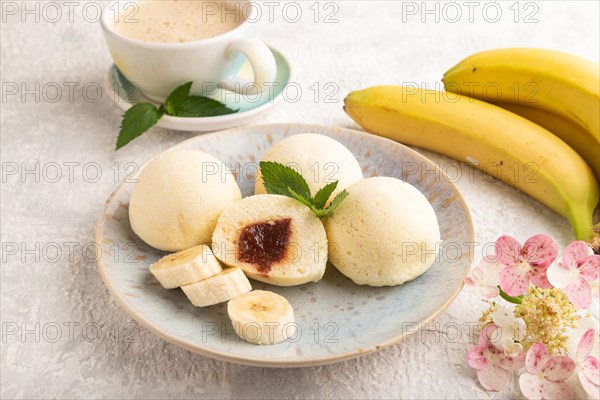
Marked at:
<point>261,59</point>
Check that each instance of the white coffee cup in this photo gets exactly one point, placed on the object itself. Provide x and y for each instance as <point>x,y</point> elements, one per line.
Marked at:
<point>158,68</point>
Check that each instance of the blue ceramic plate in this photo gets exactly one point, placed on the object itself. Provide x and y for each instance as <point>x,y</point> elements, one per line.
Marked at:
<point>337,319</point>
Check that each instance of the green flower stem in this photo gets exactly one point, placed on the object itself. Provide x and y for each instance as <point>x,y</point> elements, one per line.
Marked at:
<point>510,299</point>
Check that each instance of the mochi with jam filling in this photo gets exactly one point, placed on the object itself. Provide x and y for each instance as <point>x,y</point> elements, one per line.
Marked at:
<point>274,239</point>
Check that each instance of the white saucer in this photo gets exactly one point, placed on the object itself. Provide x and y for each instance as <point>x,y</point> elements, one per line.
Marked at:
<point>250,106</point>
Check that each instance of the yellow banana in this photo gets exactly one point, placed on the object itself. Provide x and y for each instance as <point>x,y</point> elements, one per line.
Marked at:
<point>571,133</point>
<point>492,139</point>
<point>549,80</point>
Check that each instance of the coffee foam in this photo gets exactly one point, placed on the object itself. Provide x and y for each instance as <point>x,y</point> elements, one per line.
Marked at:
<point>179,21</point>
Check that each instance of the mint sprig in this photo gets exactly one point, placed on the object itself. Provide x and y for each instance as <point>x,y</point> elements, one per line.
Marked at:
<point>286,181</point>
<point>143,116</point>
<point>137,120</point>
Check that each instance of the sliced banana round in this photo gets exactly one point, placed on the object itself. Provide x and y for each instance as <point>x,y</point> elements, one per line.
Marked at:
<point>185,267</point>
<point>219,288</point>
<point>262,317</point>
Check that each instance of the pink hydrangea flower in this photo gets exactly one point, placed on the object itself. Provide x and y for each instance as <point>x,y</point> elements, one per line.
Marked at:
<point>588,367</point>
<point>526,263</point>
<point>485,277</point>
<point>577,273</point>
<point>494,367</point>
<point>545,377</point>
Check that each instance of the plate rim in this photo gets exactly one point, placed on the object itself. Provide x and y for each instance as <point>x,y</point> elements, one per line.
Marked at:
<point>261,362</point>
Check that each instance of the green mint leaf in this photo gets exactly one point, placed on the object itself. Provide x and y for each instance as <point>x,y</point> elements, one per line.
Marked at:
<point>181,104</point>
<point>286,181</point>
<point>337,200</point>
<point>283,180</point>
<point>143,116</point>
<point>177,97</point>
<point>301,199</point>
<point>323,194</point>
<point>200,106</point>
<point>137,120</point>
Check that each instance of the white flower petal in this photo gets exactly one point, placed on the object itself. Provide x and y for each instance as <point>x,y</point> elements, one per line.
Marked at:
<point>595,288</point>
<point>531,386</point>
<point>493,378</point>
<point>519,329</point>
<point>559,276</point>
<point>592,390</point>
<point>503,317</point>
<point>489,292</point>
<point>505,341</point>
<point>574,335</point>
<point>491,271</point>
<point>477,275</point>
<point>513,349</point>
<point>506,320</point>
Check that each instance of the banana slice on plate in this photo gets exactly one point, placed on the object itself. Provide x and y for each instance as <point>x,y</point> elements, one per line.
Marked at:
<point>262,317</point>
<point>219,288</point>
<point>185,267</point>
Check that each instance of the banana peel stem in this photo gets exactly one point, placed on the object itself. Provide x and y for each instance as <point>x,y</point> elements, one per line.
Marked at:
<point>583,227</point>
<point>594,243</point>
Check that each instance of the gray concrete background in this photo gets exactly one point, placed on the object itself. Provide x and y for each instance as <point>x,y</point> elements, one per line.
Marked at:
<point>73,341</point>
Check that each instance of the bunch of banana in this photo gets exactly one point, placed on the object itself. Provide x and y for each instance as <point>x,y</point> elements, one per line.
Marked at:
<point>488,137</point>
<point>582,141</point>
<point>258,316</point>
<point>558,91</point>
